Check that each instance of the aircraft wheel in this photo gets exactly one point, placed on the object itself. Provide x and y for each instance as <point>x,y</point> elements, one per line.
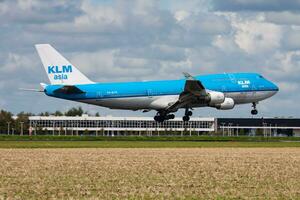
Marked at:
<point>159,118</point>
<point>189,113</point>
<point>185,118</point>
<point>254,112</point>
<point>171,116</point>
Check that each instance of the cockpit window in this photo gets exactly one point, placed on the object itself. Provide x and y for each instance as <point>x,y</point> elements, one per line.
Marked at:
<point>260,76</point>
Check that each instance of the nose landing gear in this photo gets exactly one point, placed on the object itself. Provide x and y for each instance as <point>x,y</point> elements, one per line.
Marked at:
<point>254,111</point>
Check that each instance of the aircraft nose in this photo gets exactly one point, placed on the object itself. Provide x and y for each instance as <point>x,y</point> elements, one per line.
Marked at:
<point>274,87</point>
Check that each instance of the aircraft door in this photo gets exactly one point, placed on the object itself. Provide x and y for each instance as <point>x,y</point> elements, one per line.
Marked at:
<point>223,88</point>
<point>232,78</point>
<point>150,93</point>
<point>99,94</point>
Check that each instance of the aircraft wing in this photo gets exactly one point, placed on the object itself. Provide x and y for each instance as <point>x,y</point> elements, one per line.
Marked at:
<point>193,93</point>
<point>69,89</point>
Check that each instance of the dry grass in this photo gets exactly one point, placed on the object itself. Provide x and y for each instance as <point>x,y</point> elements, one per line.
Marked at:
<point>214,173</point>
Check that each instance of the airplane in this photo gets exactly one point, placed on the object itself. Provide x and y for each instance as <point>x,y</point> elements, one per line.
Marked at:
<point>220,91</point>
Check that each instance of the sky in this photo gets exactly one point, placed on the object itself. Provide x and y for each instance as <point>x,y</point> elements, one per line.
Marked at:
<point>137,40</point>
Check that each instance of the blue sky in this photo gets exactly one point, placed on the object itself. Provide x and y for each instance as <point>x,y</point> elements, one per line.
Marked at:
<point>116,40</point>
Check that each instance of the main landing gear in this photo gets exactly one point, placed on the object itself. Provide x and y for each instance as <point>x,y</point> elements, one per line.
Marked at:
<point>187,115</point>
<point>162,116</point>
<point>254,111</point>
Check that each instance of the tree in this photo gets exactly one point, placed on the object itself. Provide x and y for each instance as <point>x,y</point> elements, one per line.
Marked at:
<point>259,132</point>
<point>242,132</point>
<point>97,114</point>
<point>22,118</point>
<point>44,114</point>
<point>74,112</point>
<point>86,132</point>
<point>58,113</point>
<point>5,117</point>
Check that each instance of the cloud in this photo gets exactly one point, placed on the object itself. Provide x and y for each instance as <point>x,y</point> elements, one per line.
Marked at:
<point>181,15</point>
<point>283,18</point>
<point>145,40</point>
<point>256,5</point>
<point>255,37</point>
<point>94,18</point>
<point>108,66</point>
<point>37,12</point>
<point>291,41</point>
<point>285,66</point>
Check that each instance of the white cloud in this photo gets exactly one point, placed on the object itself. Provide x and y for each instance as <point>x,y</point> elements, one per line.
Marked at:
<point>16,62</point>
<point>291,40</point>
<point>284,69</point>
<point>94,19</point>
<point>225,43</point>
<point>206,23</point>
<point>108,66</point>
<point>256,37</point>
<point>98,17</point>
<point>181,15</point>
<point>289,62</point>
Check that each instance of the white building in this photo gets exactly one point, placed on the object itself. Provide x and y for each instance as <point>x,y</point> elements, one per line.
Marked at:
<point>63,125</point>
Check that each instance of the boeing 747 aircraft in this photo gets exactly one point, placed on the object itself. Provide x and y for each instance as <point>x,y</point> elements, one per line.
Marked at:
<point>220,91</point>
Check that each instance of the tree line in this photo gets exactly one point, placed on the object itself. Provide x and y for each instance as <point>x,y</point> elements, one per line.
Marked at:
<point>15,124</point>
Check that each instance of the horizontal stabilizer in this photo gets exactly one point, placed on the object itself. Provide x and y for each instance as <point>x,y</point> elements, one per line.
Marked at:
<point>31,90</point>
<point>69,89</point>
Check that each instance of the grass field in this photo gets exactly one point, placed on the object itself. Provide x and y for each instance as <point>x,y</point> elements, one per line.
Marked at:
<point>145,138</point>
<point>141,144</point>
<point>151,173</point>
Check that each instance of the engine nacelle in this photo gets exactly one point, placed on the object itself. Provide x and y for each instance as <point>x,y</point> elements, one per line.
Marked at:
<point>216,98</point>
<point>226,105</point>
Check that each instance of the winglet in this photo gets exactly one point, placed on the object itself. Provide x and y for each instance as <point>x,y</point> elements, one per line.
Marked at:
<point>188,76</point>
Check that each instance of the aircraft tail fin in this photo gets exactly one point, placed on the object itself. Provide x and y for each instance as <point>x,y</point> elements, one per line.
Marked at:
<point>59,70</point>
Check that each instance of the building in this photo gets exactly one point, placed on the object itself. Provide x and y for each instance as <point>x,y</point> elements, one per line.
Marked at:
<point>266,126</point>
<point>63,125</point>
<point>110,126</point>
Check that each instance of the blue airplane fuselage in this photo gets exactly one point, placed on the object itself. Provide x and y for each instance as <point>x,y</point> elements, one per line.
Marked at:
<point>241,87</point>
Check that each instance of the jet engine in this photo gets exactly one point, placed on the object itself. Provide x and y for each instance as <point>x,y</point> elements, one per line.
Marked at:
<point>215,98</point>
<point>226,105</point>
